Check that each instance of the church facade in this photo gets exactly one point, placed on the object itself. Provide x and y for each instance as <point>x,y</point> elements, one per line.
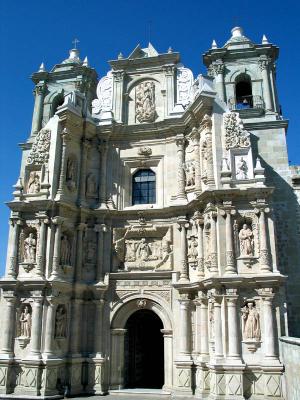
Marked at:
<point>153,230</point>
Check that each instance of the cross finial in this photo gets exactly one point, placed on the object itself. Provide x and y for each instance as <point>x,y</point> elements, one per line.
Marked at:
<point>75,41</point>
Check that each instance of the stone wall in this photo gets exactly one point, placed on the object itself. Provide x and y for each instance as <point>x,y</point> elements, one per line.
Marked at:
<point>290,354</point>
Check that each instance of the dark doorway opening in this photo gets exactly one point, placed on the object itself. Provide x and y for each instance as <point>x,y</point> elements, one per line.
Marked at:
<point>144,351</point>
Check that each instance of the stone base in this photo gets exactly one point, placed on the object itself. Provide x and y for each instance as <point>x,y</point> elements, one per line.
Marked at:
<point>183,378</point>
<point>96,373</point>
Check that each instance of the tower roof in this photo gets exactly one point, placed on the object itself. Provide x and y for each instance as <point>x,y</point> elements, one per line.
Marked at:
<point>238,39</point>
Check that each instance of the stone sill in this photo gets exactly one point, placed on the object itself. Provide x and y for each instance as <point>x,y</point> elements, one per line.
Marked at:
<point>290,340</point>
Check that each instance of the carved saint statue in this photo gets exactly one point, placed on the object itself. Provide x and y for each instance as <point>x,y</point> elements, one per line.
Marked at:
<point>251,324</point>
<point>145,102</point>
<point>143,250</point>
<point>193,249</point>
<point>25,322</point>
<point>91,252</point>
<point>246,241</point>
<point>71,173</point>
<point>91,185</point>
<point>30,249</point>
<point>65,252</point>
<point>130,250</point>
<point>242,169</point>
<point>190,175</point>
<point>34,185</point>
<point>60,322</point>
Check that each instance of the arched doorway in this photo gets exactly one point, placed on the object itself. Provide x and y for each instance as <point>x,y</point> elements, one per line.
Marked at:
<point>144,351</point>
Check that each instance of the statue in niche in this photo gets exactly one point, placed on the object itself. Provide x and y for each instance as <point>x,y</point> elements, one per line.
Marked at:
<point>60,322</point>
<point>130,250</point>
<point>34,185</point>
<point>30,249</point>
<point>91,252</point>
<point>91,185</point>
<point>190,174</point>
<point>25,322</point>
<point>242,169</point>
<point>71,173</point>
<point>193,249</point>
<point>65,252</point>
<point>251,323</point>
<point>143,250</point>
<point>246,241</point>
<point>145,102</point>
<point>165,247</point>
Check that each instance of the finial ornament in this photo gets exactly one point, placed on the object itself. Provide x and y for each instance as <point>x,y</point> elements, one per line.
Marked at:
<point>85,62</point>
<point>42,68</point>
<point>264,40</point>
<point>214,44</point>
<point>237,31</point>
<point>120,56</point>
<point>170,50</point>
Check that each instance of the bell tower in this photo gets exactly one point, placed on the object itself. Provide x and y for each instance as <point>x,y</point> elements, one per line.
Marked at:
<point>244,74</point>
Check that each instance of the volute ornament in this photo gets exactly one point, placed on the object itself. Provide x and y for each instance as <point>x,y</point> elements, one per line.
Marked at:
<point>185,81</point>
<point>104,95</point>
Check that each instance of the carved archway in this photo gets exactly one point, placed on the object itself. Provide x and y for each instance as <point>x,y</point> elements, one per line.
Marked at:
<point>120,316</point>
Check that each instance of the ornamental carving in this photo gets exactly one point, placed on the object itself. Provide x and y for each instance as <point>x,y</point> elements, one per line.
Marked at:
<point>39,153</point>
<point>71,173</point>
<point>34,183</point>
<point>193,251</point>
<point>91,185</point>
<point>251,322</point>
<point>242,169</point>
<point>235,134</point>
<point>246,241</point>
<point>30,249</point>
<point>189,168</point>
<point>25,322</point>
<point>65,250</point>
<point>145,151</point>
<point>185,81</point>
<point>104,95</point>
<point>143,247</point>
<point>145,110</point>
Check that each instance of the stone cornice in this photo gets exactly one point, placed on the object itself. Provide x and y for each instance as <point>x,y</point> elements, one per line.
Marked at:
<point>280,123</point>
<point>143,64</point>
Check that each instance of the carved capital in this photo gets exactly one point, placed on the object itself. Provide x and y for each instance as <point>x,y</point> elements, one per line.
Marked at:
<point>118,75</point>
<point>182,222</point>
<point>219,67</point>
<point>206,124</point>
<point>100,228</point>
<point>65,135</point>
<point>169,69</point>
<point>263,62</point>
<point>39,90</point>
<point>180,142</point>
<point>81,226</point>
<point>58,220</point>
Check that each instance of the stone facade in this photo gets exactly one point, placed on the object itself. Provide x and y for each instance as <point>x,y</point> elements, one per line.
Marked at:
<point>213,256</point>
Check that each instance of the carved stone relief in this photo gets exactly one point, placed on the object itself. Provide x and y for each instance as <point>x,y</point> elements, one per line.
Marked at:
<point>246,235</point>
<point>91,185</point>
<point>145,110</point>
<point>235,134</point>
<point>144,247</point>
<point>193,251</point>
<point>28,244</point>
<point>39,153</point>
<point>34,183</point>
<point>61,322</point>
<point>24,324</point>
<point>30,249</point>
<point>246,241</point>
<point>241,168</point>
<point>251,330</point>
<point>65,250</point>
<point>189,168</point>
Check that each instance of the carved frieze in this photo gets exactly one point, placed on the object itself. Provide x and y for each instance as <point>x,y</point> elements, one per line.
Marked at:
<point>145,109</point>
<point>39,153</point>
<point>104,95</point>
<point>145,247</point>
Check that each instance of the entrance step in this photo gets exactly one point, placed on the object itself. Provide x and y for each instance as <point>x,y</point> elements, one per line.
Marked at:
<point>140,394</point>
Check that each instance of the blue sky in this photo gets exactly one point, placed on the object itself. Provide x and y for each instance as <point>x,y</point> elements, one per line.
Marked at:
<point>35,31</point>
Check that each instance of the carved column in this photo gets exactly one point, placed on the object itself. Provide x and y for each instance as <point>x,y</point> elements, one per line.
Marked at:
<point>36,330</point>
<point>13,248</point>
<point>230,260</point>
<point>196,142</point>
<point>200,226</point>
<point>213,244</point>
<point>8,327</point>
<point>76,331</point>
<point>219,69</point>
<point>204,347</point>
<point>180,142</point>
<point>218,327</point>
<point>50,329</point>
<point>58,221</point>
<point>233,325</point>
<point>264,253</point>
<point>169,73</point>
<point>117,358</point>
<point>103,149</point>
<point>168,359</point>
<point>41,259</point>
<point>264,67</point>
<point>100,229</point>
<point>85,147</point>
<point>98,344</point>
<point>38,109</point>
<point>270,328</point>
<point>182,226</point>
<point>63,162</point>
<point>118,82</point>
<point>185,327</point>
<point>80,229</point>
